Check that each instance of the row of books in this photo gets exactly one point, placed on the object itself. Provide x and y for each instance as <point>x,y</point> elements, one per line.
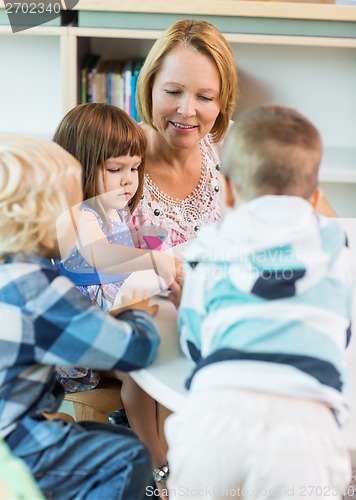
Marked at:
<point>113,82</point>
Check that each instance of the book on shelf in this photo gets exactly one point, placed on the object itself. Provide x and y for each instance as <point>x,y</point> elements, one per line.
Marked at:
<point>126,76</point>
<point>101,82</point>
<point>135,72</point>
<point>117,83</point>
<point>87,75</point>
<point>110,81</point>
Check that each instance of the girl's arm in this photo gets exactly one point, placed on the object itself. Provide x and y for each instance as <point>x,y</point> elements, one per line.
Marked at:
<point>113,258</point>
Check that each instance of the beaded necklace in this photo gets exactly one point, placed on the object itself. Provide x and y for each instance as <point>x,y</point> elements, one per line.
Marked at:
<point>200,207</point>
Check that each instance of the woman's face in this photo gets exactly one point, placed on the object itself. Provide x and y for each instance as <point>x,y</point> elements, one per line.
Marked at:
<point>185,97</point>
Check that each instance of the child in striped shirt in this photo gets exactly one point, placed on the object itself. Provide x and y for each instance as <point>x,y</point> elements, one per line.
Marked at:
<point>265,315</point>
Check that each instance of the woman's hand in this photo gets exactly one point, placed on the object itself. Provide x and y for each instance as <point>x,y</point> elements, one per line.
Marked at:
<point>323,207</point>
<point>321,204</point>
<point>138,300</point>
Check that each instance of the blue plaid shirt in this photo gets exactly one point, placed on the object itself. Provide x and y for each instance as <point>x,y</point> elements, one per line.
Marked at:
<point>46,321</point>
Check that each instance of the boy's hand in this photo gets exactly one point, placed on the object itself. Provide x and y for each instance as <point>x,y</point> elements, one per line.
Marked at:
<point>165,266</point>
<point>175,293</point>
<point>138,300</point>
<point>176,287</point>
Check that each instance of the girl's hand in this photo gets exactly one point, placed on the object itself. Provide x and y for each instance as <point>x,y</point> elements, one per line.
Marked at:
<point>138,300</point>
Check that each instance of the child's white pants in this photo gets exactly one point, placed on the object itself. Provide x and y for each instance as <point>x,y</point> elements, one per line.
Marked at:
<point>228,443</point>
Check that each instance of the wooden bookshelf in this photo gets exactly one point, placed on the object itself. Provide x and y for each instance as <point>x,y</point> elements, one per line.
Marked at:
<point>323,10</point>
<point>298,54</point>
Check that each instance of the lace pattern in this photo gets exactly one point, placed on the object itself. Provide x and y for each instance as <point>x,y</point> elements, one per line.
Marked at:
<point>181,218</point>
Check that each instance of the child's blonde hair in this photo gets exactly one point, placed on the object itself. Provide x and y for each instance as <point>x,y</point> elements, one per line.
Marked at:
<point>272,150</point>
<point>34,176</point>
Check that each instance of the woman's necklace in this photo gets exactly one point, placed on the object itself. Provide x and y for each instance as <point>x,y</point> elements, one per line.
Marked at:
<point>189,214</point>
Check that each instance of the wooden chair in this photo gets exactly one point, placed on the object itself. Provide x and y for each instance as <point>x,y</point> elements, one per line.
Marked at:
<point>96,404</point>
<point>59,415</point>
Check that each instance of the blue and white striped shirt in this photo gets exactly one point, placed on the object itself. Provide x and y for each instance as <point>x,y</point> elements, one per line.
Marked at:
<point>266,304</point>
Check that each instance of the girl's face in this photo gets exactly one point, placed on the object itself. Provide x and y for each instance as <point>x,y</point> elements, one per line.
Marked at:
<point>118,181</point>
<point>185,97</point>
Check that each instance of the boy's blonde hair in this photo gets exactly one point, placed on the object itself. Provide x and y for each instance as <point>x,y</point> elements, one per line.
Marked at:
<point>272,150</point>
<point>205,39</point>
<point>34,177</point>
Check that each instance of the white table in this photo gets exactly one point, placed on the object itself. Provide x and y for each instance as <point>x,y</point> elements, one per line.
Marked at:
<point>164,380</point>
